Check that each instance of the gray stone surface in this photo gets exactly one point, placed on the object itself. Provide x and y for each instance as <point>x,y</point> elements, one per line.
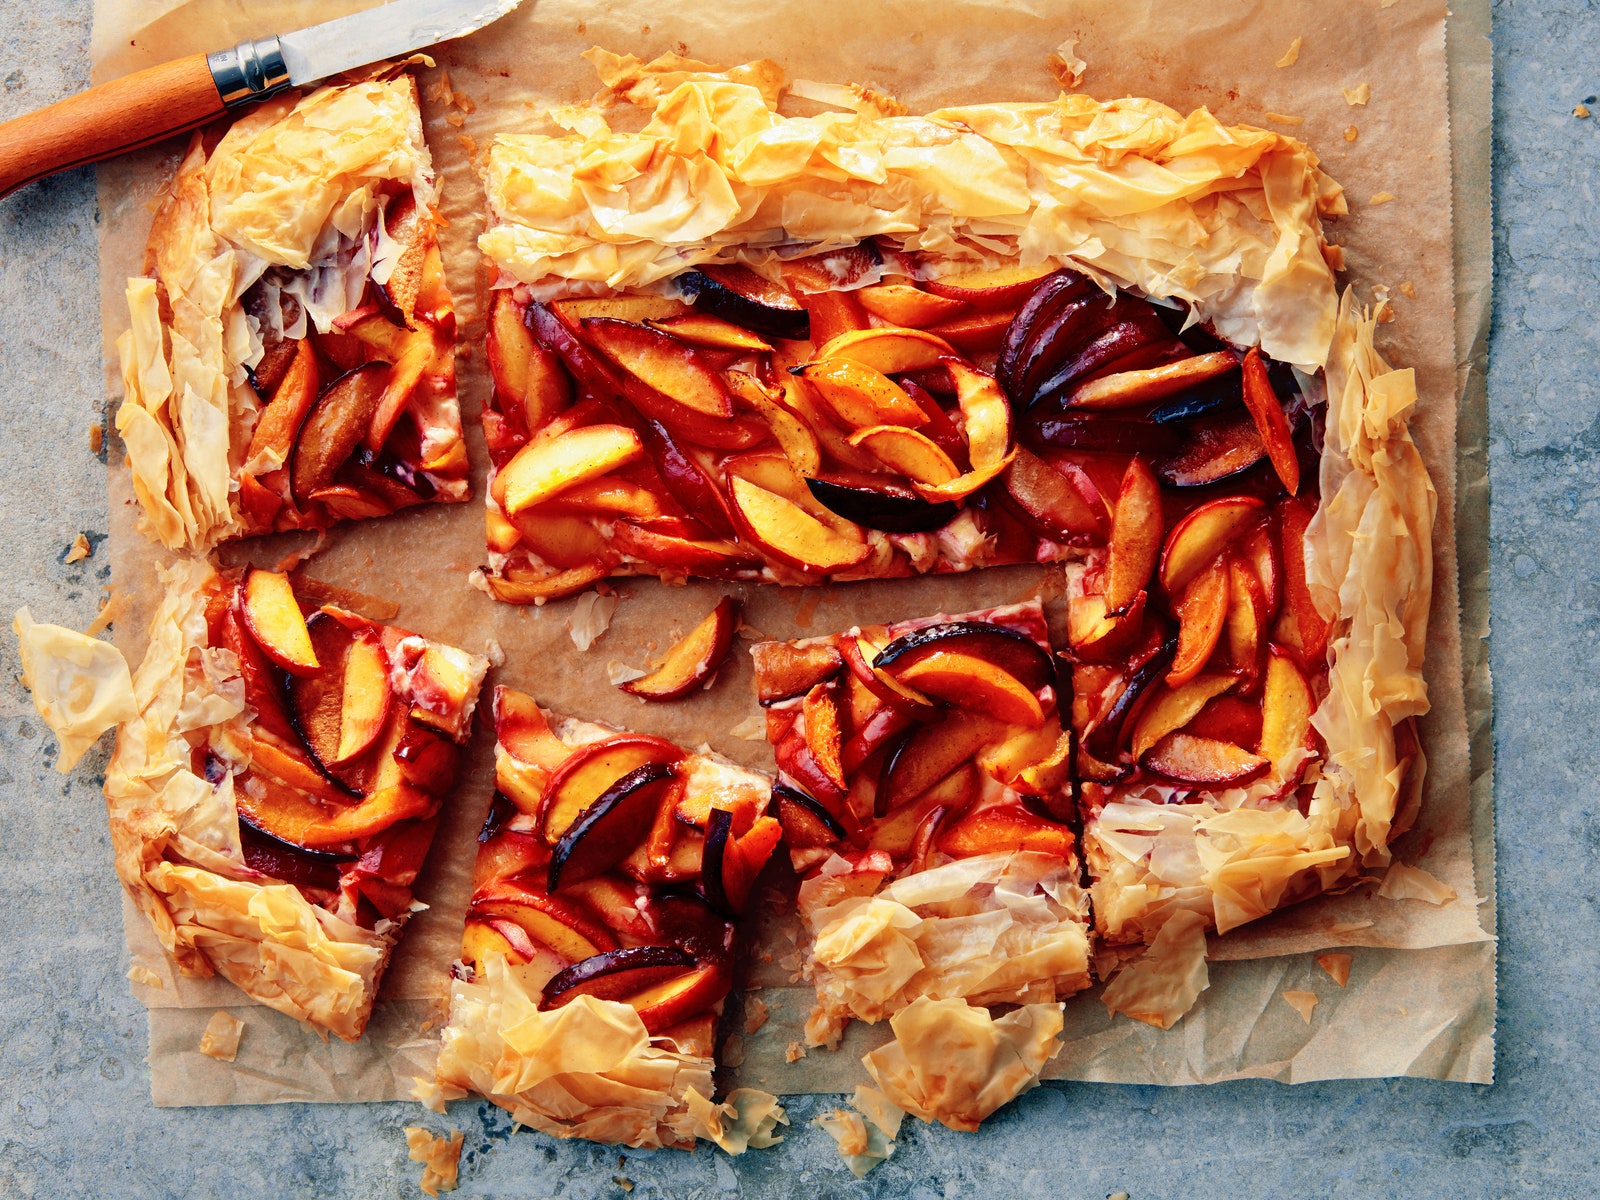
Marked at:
<point>75,1116</point>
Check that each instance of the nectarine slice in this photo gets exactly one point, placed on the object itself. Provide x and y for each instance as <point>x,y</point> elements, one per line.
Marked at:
<point>560,540</point>
<point>1200,538</point>
<point>528,589</point>
<point>481,941</point>
<point>1008,649</point>
<point>1267,412</point>
<point>365,703</point>
<point>1135,544</point>
<point>591,770</point>
<point>545,468</point>
<point>616,974</point>
<point>1310,627</point>
<point>701,329</point>
<point>639,309</point>
<point>986,421</point>
<point>784,671</point>
<point>676,1000</point>
<point>912,454</point>
<point>908,305</point>
<point>279,423</point>
<point>1189,759</point>
<point>335,426</point>
<point>995,287</point>
<point>1202,611</point>
<point>292,816</point>
<point>930,752</point>
<point>1123,389</point>
<point>563,925</point>
<point>663,363</point>
<point>860,395</point>
<point>272,615</point>
<point>806,824</point>
<point>887,349</point>
<point>1174,707</point>
<point>1006,828</point>
<point>977,333</point>
<point>523,731</point>
<point>790,534</point>
<point>693,658</point>
<point>974,683</point>
<point>793,435</point>
<point>606,831</point>
<point>693,556</point>
<point>1062,503</point>
<point>1247,619</point>
<point>1286,707</point>
<point>820,711</point>
<point>527,377</point>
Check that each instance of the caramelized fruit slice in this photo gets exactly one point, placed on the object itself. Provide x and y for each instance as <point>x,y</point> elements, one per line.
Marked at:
<point>1310,628</point>
<point>860,395</point>
<point>930,752</point>
<point>789,533</point>
<point>711,332</point>
<point>1286,707</point>
<point>1174,707</point>
<point>612,827</point>
<point>272,615</point>
<point>541,469</point>
<point>823,735</point>
<point>806,824</point>
<point>968,681</point>
<point>591,771</point>
<point>616,974</point>
<point>740,295</point>
<point>1217,447</point>
<point>1202,611</point>
<point>566,926</point>
<point>1189,759</point>
<point>912,454</point>
<point>732,862</point>
<point>1061,503</point>
<point>876,502</point>
<point>1006,828</point>
<point>693,659</point>
<point>1101,739</point>
<point>663,363</point>
<point>1267,412</point>
<point>887,349</point>
<point>335,427</point>
<point>784,671</point>
<point>796,438</point>
<point>1123,389</point>
<point>292,816</point>
<point>527,378</point>
<point>364,707</point>
<point>674,1001</point>
<point>1015,653</point>
<point>1135,545</point>
<point>906,304</point>
<point>998,287</point>
<point>1200,538</point>
<point>293,397</point>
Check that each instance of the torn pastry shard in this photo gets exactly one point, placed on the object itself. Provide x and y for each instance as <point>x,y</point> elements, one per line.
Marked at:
<point>1337,966</point>
<point>1405,882</point>
<point>221,1037</point>
<point>81,686</point>
<point>440,1158</point>
<point>954,1063</point>
<point>1302,1002</point>
<point>718,353</point>
<point>924,797</point>
<point>274,795</point>
<point>290,360</point>
<point>599,943</point>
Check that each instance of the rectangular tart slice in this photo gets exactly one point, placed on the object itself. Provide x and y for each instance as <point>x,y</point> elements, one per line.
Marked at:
<point>923,791</point>
<point>274,798</point>
<point>599,944</point>
<point>750,345</point>
<point>291,357</point>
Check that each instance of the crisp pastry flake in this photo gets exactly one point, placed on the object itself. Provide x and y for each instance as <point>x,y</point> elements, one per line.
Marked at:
<point>81,686</point>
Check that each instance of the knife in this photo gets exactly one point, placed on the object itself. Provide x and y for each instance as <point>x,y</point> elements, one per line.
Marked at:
<point>158,102</point>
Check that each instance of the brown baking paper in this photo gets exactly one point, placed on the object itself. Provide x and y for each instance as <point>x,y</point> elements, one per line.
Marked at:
<point>1420,999</point>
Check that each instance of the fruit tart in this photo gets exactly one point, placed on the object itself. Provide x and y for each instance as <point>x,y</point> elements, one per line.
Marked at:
<point>599,942</point>
<point>755,346</point>
<point>924,793</point>
<point>291,360</point>
<point>275,796</point>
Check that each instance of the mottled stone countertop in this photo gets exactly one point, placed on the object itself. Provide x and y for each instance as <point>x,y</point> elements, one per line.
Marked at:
<point>75,1113</point>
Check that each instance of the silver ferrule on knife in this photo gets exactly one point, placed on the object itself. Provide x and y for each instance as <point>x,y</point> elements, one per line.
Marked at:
<point>249,72</point>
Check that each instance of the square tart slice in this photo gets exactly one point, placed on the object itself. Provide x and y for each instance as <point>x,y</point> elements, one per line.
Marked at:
<point>274,799</point>
<point>1245,651</point>
<point>923,791</point>
<point>749,345</point>
<point>291,356</point>
<point>599,944</point>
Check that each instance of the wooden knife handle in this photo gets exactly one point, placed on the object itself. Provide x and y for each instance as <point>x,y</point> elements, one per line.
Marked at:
<point>121,115</point>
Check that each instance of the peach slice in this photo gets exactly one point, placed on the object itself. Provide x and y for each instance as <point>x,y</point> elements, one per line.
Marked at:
<point>861,395</point>
<point>263,684</point>
<point>797,439</point>
<point>617,902</point>
<point>1200,538</point>
<point>1123,389</point>
<point>563,925</point>
<point>1135,544</point>
<point>717,559</point>
<point>1228,719</point>
<point>997,287</point>
<point>986,421</point>
<point>527,377</point>
<point>1189,759</point>
<point>523,731</point>
<point>279,423</point>
<point>562,541</point>
<point>608,494</point>
<point>365,704</point>
<point>1043,751</point>
<point>802,399</point>
<point>426,759</point>
<point>906,304</point>
<point>415,357</point>
<point>1299,611</point>
<point>1102,732</point>
<point>1097,636</point>
<point>1202,611</point>
<point>745,298</point>
<point>822,732</point>
<point>637,309</point>
<point>272,615</point>
<point>335,426</point>
<point>616,974</point>
<point>606,831</point>
<point>970,682</point>
<point>930,752</point>
<point>784,671</point>
<point>806,824</point>
<point>860,658</point>
<point>1286,707</point>
<point>350,503</point>
<point>790,534</point>
<point>712,332</point>
<point>676,1000</point>
<point>544,468</point>
<point>1061,503</point>
<point>663,363</point>
<point>1247,620</point>
<point>979,333</point>
<point>536,590</point>
<point>1260,552</point>
<point>888,350</point>
<point>692,659</point>
<point>481,940</point>
<point>1174,707</point>
<point>732,862</point>
<point>910,453</point>
<point>907,831</point>
<point>1008,649</point>
<point>268,757</point>
<point>291,816</point>
<point>591,771</point>
<point>1006,828</point>
<point>1267,412</point>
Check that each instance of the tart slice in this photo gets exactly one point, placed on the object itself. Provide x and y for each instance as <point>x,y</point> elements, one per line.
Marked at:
<point>274,799</point>
<point>924,794</point>
<point>291,361</point>
<point>599,943</point>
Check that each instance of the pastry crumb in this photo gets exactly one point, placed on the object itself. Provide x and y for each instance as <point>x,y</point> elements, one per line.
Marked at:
<point>440,1158</point>
<point>109,612</point>
<point>1302,1003</point>
<point>454,119</point>
<point>751,729</point>
<point>1382,198</point>
<point>795,1052</point>
<point>1292,54</point>
<point>221,1037</point>
<point>97,433</point>
<point>590,618</point>
<point>1351,133</point>
<point>494,652</point>
<point>1066,66</point>
<point>142,974</point>
<point>1403,882</point>
<point>756,1013</point>
<point>79,550</point>
<point>1333,255</point>
<point>1357,95</point>
<point>1408,290</point>
<point>1285,119</point>
<point>1337,966</point>
<point>623,1182</point>
<point>1581,111</point>
<point>619,672</point>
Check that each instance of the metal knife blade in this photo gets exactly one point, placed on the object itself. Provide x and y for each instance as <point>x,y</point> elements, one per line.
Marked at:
<point>388,31</point>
